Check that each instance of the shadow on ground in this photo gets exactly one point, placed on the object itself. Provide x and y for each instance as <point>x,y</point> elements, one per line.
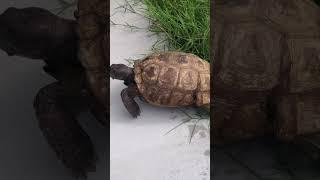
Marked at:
<point>263,160</point>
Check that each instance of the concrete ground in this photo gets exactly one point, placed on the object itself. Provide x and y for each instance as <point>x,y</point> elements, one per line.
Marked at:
<point>140,150</point>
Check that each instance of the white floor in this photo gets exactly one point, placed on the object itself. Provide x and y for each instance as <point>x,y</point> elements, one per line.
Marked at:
<point>140,150</point>
<point>24,153</point>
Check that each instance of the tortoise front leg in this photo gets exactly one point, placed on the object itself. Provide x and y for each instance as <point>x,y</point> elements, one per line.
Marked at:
<point>70,142</point>
<point>128,94</point>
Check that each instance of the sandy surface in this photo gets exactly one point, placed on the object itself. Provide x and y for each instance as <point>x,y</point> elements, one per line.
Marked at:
<point>140,150</point>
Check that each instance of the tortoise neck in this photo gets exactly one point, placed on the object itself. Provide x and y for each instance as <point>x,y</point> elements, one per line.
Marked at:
<point>129,80</point>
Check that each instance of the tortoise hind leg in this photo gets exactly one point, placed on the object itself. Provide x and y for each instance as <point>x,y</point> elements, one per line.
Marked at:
<point>128,94</point>
<point>62,131</point>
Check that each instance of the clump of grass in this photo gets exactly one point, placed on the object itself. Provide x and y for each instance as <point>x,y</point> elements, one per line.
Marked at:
<point>184,23</point>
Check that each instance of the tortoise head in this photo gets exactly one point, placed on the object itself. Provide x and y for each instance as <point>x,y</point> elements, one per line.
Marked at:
<point>120,71</point>
<point>31,32</point>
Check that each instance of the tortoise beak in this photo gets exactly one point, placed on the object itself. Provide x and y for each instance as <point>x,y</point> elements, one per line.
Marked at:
<point>112,71</point>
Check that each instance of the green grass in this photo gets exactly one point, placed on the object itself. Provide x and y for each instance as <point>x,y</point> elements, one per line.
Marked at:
<point>184,24</point>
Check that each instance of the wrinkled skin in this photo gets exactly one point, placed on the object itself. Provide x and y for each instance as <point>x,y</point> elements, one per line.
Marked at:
<point>38,34</point>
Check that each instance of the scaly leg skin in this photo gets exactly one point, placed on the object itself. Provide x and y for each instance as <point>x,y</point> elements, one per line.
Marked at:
<point>128,94</point>
<point>62,131</point>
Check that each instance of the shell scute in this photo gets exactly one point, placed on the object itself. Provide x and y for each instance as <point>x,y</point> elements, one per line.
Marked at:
<point>187,100</point>
<point>150,73</point>
<point>188,80</point>
<point>176,97</point>
<point>151,93</point>
<point>164,96</point>
<point>168,77</point>
<point>204,84</point>
<point>203,98</point>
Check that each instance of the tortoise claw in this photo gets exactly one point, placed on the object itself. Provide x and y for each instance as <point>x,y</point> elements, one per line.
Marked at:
<point>135,113</point>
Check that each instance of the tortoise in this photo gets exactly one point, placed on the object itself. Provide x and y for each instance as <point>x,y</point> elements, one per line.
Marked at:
<point>266,70</point>
<point>75,54</point>
<point>169,78</point>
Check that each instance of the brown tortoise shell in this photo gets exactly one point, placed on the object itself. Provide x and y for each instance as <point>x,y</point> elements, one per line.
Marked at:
<point>173,79</point>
